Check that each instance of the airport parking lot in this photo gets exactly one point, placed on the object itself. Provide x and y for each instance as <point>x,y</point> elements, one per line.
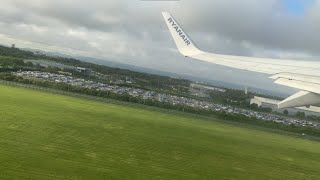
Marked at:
<point>167,98</point>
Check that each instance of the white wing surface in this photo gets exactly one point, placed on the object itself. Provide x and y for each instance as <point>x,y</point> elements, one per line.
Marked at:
<point>304,75</point>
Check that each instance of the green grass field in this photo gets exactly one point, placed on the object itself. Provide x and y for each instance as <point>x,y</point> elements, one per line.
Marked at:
<point>47,136</point>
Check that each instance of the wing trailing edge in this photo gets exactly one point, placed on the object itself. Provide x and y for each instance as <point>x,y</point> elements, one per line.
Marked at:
<point>310,85</point>
<point>302,98</point>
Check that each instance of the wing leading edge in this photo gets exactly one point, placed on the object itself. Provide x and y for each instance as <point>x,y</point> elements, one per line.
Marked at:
<point>304,75</point>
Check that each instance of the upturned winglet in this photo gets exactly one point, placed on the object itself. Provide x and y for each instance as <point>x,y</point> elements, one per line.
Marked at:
<point>182,40</point>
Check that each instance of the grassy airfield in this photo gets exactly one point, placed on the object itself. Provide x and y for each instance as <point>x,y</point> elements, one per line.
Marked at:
<point>47,136</point>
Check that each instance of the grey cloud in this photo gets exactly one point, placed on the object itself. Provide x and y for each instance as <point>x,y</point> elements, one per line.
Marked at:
<point>262,23</point>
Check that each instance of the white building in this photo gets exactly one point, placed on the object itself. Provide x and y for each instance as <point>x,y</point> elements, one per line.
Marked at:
<point>203,87</point>
<point>273,104</point>
<point>80,69</point>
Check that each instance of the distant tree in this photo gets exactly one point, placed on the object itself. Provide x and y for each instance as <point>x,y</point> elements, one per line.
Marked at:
<point>269,110</point>
<point>301,115</point>
<point>29,64</point>
<point>286,112</point>
<point>254,106</point>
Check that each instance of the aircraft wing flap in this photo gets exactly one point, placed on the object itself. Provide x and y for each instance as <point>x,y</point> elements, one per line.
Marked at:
<point>298,77</point>
<point>302,98</point>
<point>307,86</point>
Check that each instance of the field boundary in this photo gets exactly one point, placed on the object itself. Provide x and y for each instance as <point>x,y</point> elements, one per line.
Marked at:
<point>157,109</point>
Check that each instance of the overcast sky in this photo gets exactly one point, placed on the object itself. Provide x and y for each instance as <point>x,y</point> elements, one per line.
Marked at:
<point>134,32</point>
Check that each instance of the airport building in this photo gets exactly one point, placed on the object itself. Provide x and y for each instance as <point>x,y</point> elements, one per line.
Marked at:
<point>273,104</point>
<point>207,88</point>
<point>80,69</point>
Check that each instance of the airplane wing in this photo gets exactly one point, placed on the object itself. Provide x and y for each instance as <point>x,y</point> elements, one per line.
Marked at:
<point>304,75</point>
